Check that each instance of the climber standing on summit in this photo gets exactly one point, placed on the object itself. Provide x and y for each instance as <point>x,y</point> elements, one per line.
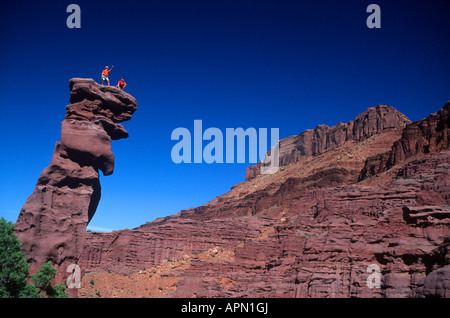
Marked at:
<point>105,74</point>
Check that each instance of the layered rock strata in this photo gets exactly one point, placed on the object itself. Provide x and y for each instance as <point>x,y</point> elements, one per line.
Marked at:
<point>313,229</point>
<point>418,138</point>
<point>375,120</point>
<point>372,193</point>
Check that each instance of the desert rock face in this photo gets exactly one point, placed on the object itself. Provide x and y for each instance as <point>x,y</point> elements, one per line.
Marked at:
<point>421,137</point>
<point>317,228</point>
<point>356,210</point>
<point>375,120</point>
<point>52,223</point>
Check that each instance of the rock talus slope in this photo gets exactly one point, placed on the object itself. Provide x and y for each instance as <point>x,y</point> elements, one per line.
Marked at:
<point>372,192</point>
<point>52,223</point>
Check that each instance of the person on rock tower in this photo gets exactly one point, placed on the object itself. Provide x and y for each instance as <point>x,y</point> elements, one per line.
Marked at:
<point>121,84</point>
<point>105,74</point>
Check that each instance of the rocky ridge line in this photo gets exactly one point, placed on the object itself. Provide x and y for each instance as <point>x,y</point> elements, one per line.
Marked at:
<point>309,230</point>
<point>375,120</point>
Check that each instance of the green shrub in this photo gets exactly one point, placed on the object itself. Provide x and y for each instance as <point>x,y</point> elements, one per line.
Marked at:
<point>13,266</point>
<point>14,270</point>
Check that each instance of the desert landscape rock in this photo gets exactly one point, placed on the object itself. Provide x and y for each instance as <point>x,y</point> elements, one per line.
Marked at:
<point>52,223</point>
<point>310,230</point>
<point>421,137</point>
<point>371,193</point>
<point>374,121</point>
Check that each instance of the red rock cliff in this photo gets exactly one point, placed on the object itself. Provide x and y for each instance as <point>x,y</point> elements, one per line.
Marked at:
<point>418,138</point>
<point>52,223</point>
<point>375,120</point>
<point>310,230</point>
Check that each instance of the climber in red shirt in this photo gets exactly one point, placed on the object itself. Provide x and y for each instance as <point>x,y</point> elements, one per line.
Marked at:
<point>105,74</point>
<point>121,84</point>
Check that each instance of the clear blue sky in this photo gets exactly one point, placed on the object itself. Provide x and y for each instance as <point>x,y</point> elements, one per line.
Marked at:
<point>231,63</point>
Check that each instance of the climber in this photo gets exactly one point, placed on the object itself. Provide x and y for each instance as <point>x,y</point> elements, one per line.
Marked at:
<point>105,74</point>
<point>121,84</point>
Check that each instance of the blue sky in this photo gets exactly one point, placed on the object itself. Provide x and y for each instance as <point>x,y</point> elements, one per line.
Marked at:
<point>231,63</point>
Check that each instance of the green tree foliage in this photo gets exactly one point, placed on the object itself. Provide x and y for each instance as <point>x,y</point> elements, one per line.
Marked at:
<point>13,266</point>
<point>42,280</point>
<point>14,270</point>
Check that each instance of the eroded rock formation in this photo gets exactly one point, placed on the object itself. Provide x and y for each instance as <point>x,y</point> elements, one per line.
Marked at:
<point>418,138</point>
<point>375,120</point>
<point>374,191</point>
<point>52,223</point>
<point>310,230</point>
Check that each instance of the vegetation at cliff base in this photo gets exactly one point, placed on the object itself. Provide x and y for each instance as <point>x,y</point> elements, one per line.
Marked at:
<point>14,270</point>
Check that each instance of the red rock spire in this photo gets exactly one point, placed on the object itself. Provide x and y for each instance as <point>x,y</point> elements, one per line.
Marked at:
<point>52,222</point>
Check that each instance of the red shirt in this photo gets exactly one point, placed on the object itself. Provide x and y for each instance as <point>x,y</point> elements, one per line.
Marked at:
<point>121,83</point>
<point>106,72</point>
